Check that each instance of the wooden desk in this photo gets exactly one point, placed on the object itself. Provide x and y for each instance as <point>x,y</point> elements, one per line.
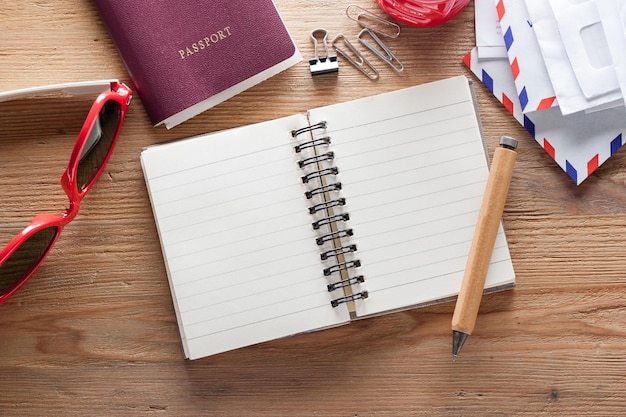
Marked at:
<point>93,333</point>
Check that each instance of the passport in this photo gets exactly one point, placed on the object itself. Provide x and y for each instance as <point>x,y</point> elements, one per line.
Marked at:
<point>186,56</point>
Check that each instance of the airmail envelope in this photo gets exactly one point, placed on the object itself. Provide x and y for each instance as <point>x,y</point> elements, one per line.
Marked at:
<point>579,143</point>
<point>488,32</point>
<point>531,78</point>
<point>576,54</point>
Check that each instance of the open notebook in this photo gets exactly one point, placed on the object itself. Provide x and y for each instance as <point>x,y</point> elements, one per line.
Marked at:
<point>313,220</point>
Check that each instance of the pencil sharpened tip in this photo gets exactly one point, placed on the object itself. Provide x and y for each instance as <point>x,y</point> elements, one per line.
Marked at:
<point>458,339</point>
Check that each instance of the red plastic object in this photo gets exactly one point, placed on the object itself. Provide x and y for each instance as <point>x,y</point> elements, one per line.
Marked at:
<point>75,182</point>
<point>423,12</point>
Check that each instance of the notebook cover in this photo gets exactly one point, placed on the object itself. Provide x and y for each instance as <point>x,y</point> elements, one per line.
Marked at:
<point>180,53</point>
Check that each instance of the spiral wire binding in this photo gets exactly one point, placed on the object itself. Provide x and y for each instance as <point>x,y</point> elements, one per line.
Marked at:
<point>319,174</point>
<point>327,204</point>
<point>337,251</point>
<point>336,186</point>
<point>353,297</point>
<point>330,220</point>
<point>312,143</point>
<point>345,283</point>
<point>334,235</point>
<point>328,156</point>
<point>320,125</point>
<point>342,266</point>
<point>319,170</point>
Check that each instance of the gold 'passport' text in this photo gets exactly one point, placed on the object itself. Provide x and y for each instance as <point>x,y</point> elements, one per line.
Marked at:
<point>204,43</point>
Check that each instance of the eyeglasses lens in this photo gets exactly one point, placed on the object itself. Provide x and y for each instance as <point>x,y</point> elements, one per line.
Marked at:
<point>25,258</point>
<point>99,143</point>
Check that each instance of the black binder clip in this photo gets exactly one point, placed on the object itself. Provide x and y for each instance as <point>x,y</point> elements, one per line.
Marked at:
<point>322,64</point>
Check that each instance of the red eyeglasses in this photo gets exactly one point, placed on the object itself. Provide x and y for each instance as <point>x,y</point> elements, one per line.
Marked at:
<point>95,143</point>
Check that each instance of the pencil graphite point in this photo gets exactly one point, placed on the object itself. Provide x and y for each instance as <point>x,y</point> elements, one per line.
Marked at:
<point>458,338</point>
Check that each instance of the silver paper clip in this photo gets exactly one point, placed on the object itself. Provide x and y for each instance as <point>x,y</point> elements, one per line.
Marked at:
<point>322,64</point>
<point>379,49</point>
<point>359,62</point>
<point>370,21</point>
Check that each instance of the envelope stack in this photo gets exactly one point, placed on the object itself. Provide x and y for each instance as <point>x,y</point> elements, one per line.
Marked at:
<point>559,67</point>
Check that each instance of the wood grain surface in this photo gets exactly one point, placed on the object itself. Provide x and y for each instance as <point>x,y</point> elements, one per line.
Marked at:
<point>93,333</point>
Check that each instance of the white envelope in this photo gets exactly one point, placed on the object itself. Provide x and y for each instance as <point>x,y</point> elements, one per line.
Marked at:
<point>575,53</point>
<point>579,143</point>
<point>613,16</point>
<point>586,46</point>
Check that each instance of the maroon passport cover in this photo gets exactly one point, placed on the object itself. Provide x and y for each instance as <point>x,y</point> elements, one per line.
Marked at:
<point>189,55</point>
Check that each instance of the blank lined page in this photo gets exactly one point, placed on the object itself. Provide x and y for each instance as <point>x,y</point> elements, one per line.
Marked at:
<point>236,235</point>
<point>413,168</point>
